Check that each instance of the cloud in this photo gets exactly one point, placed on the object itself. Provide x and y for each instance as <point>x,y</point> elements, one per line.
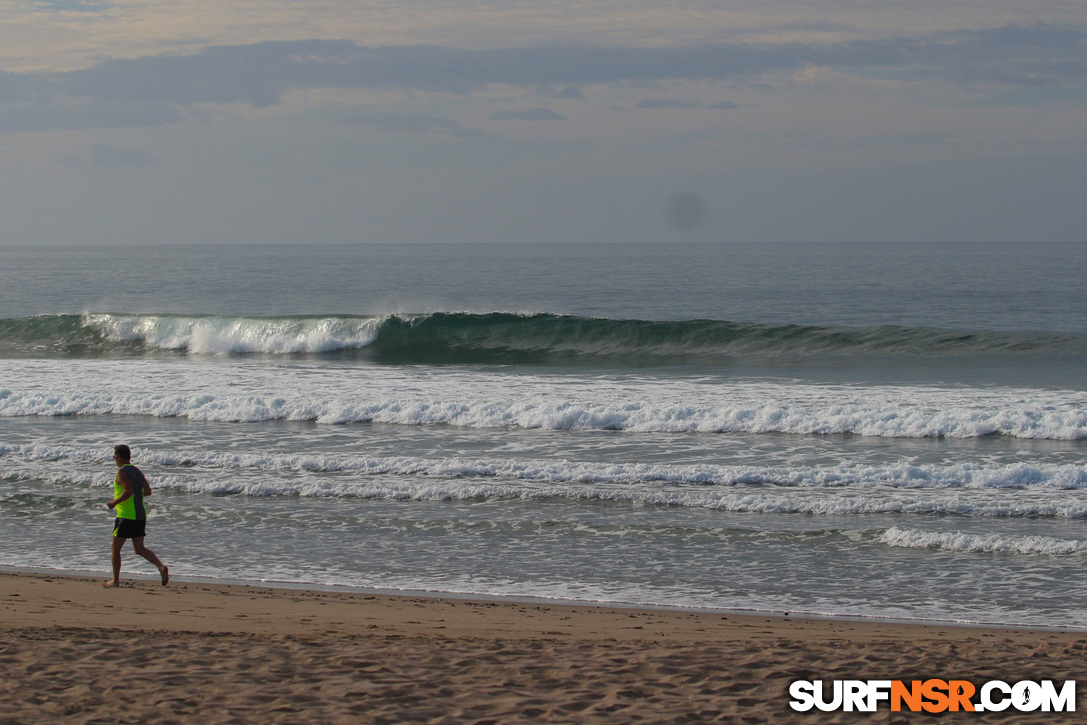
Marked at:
<point>529,114</point>
<point>52,113</point>
<point>120,157</point>
<point>1011,55</point>
<point>418,124</point>
<point>675,103</point>
<point>569,92</point>
<point>105,156</point>
<point>78,6</point>
<point>666,103</point>
<point>154,90</point>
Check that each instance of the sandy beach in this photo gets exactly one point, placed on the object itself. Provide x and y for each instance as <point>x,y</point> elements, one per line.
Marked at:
<point>74,651</point>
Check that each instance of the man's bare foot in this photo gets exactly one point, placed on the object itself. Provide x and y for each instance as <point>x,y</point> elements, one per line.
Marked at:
<point>111,585</point>
<point>165,571</point>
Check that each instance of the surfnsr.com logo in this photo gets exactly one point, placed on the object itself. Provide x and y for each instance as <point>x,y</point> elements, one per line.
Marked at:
<point>932,695</point>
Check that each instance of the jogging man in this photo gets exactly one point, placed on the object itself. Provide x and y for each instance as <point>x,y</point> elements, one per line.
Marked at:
<point>129,489</point>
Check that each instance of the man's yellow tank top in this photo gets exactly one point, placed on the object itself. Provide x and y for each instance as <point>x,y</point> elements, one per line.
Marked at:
<point>132,507</point>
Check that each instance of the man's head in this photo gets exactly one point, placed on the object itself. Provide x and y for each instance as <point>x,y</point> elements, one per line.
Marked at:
<point>122,454</point>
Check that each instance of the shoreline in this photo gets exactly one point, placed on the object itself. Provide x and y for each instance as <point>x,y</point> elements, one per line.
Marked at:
<point>248,653</point>
<point>141,577</point>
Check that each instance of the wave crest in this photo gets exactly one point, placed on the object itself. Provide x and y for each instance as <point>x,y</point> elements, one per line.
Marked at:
<point>982,544</point>
<point>233,335</point>
<point>499,337</point>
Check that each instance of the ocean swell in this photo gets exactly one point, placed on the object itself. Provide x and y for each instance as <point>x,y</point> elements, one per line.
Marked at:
<point>497,338</point>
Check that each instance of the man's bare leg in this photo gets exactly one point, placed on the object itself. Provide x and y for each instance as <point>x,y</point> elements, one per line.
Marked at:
<point>115,560</point>
<point>146,553</point>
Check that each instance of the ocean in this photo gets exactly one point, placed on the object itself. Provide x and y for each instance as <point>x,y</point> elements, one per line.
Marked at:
<point>879,431</point>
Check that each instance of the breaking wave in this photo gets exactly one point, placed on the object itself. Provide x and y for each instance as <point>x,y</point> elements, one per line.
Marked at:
<point>498,399</point>
<point>498,338</point>
<point>981,543</point>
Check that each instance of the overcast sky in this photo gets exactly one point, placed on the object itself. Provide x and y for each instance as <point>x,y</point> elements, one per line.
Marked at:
<point>344,121</point>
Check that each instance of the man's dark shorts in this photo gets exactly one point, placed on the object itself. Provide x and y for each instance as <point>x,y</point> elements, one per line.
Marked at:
<point>129,528</point>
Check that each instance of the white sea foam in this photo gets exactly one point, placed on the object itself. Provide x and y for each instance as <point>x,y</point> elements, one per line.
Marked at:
<point>959,489</point>
<point>496,398</point>
<point>890,418</point>
<point>228,335</point>
<point>981,543</point>
<point>742,500</point>
<point>901,475</point>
